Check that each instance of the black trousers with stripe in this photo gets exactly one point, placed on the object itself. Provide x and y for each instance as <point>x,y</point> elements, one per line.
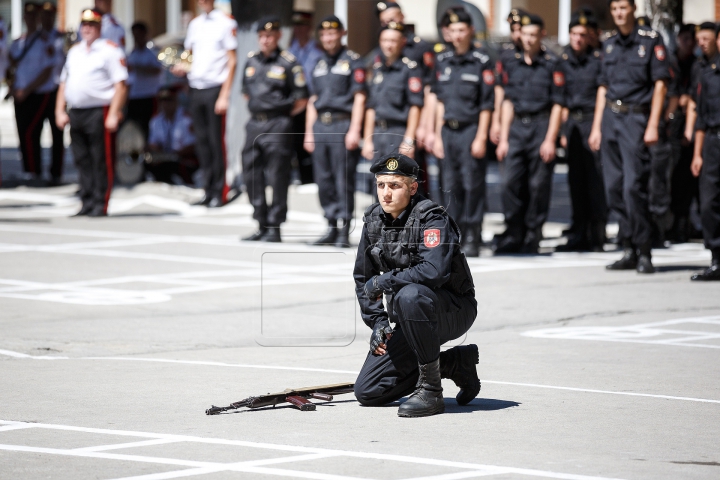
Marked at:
<point>93,148</point>
<point>29,115</point>
<point>58,139</point>
<point>209,140</point>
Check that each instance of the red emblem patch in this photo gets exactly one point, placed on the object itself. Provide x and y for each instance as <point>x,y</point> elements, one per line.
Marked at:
<point>432,238</point>
<point>559,79</point>
<point>499,66</point>
<point>429,59</point>
<point>359,75</point>
<point>415,84</point>
<point>488,77</point>
<point>660,53</point>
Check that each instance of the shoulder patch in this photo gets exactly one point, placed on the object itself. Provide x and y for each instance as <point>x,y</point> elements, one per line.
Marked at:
<point>412,64</point>
<point>481,56</point>
<point>431,238</point>
<point>353,55</point>
<point>647,33</point>
<point>251,54</point>
<point>288,56</point>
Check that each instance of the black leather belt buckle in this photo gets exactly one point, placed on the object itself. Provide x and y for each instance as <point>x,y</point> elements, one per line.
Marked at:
<point>454,124</point>
<point>382,124</point>
<point>261,117</point>
<point>526,119</point>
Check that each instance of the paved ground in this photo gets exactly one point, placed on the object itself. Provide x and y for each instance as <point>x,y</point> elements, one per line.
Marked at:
<point>116,334</point>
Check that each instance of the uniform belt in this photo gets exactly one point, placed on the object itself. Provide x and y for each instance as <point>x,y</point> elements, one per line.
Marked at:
<point>267,116</point>
<point>457,124</point>
<point>384,124</point>
<point>618,106</point>
<point>327,118</point>
<point>580,115</point>
<point>532,117</point>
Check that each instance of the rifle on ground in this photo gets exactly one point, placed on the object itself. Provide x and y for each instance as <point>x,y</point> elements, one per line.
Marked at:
<point>295,396</point>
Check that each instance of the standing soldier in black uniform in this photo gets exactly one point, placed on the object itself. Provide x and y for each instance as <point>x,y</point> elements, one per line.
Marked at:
<point>395,98</point>
<point>93,88</point>
<point>706,163</point>
<point>275,88</point>
<point>464,87</point>
<point>581,64</point>
<point>531,120</point>
<point>334,123</point>
<point>409,251</point>
<point>634,79</point>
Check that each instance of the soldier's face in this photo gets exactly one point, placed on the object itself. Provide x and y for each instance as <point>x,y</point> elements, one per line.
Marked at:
<point>206,5</point>
<point>622,12</point>
<point>579,38</point>
<point>515,33</point>
<point>268,41</point>
<point>394,192</point>
<point>706,42</point>
<point>331,38</point>
<point>531,36</point>
<point>391,15</point>
<point>461,34</point>
<point>90,31</point>
<point>391,43</point>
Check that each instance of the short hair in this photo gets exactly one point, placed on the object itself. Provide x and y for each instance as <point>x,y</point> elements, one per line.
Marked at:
<point>140,26</point>
<point>631,2</point>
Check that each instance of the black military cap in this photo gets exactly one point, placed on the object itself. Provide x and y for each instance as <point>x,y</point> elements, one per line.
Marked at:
<point>382,6</point>
<point>268,24</point>
<point>644,21</point>
<point>396,164</point>
<point>49,7</point>
<point>584,20</point>
<point>706,26</point>
<point>331,21</point>
<point>532,19</point>
<point>32,7</point>
<point>393,26</point>
<point>459,15</point>
<point>515,16</point>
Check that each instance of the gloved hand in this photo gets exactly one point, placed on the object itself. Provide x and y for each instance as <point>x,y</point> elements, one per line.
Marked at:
<point>372,290</point>
<point>382,331</point>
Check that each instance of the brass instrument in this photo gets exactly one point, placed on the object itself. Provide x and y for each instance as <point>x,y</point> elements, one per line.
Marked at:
<point>173,56</point>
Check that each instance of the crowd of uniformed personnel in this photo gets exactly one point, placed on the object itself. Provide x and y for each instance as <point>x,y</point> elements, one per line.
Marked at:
<point>639,124</point>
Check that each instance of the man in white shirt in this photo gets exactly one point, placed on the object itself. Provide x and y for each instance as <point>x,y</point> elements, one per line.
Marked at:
<point>211,37</point>
<point>92,86</point>
<point>55,44</point>
<point>171,133</point>
<point>111,29</point>
<point>144,79</point>
<point>32,64</point>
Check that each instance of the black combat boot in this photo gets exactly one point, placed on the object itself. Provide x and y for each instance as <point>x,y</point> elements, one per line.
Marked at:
<point>711,273</point>
<point>427,398</point>
<point>272,235</point>
<point>577,242</point>
<point>458,364</point>
<point>343,236</point>
<point>255,237</point>
<point>644,262</point>
<point>330,235</point>
<point>471,242</point>
<point>628,261</point>
<point>531,245</point>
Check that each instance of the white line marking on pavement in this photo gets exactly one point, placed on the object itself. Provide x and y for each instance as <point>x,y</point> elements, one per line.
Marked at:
<point>351,372</point>
<point>457,475</point>
<point>253,466</point>
<point>116,446</point>
<point>8,428</point>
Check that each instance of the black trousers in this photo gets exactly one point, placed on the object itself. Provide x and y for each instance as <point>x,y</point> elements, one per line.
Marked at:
<point>266,162</point>
<point>334,170</point>
<point>387,140</point>
<point>29,116</point>
<point>661,167</point>
<point>710,192</point>
<point>58,139</point>
<point>626,167</point>
<point>463,176</point>
<point>425,319</point>
<point>93,148</point>
<point>684,186</point>
<point>585,177</point>
<point>304,159</point>
<point>209,141</point>
<point>527,182</point>
<point>141,111</point>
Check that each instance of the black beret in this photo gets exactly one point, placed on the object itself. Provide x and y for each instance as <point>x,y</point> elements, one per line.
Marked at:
<point>331,21</point>
<point>268,24</point>
<point>644,21</point>
<point>584,20</point>
<point>458,15</point>
<point>687,28</point>
<point>393,26</point>
<point>706,26</point>
<point>382,6</point>
<point>396,164</point>
<point>532,19</point>
<point>515,16</point>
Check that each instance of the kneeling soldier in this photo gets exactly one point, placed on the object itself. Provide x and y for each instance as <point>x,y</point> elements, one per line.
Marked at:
<point>410,251</point>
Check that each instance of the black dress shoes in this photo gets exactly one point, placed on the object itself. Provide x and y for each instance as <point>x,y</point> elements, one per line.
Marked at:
<point>644,265</point>
<point>255,237</point>
<point>215,202</point>
<point>272,235</point>
<point>97,211</point>
<point>710,274</point>
<point>203,202</point>
<point>83,211</point>
<point>629,261</point>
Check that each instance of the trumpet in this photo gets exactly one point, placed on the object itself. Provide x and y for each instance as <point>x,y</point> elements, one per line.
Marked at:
<point>172,57</point>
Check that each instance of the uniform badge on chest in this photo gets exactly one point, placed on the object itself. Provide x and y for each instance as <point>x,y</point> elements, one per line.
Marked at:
<point>432,238</point>
<point>378,78</point>
<point>249,71</point>
<point>276,71</point>
<point>641,51</point>
<point>609,49</point>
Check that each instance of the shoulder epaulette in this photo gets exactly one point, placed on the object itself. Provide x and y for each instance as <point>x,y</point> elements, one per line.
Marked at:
<point>353,55</point>
<point>439,47</point>
<point>481,56</point>
<point>647,33</point>
<point>251,54</point>
<point>288,56</point>
<point>597,53</point>
<point>417,39</point>
<point>508,46</point>
<point>445,55</point>
<point>409,63</point>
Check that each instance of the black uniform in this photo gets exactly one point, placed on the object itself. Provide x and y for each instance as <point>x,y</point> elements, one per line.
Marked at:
<point>393,90</point>
<point>533,90</point>
<point>585,178</point>
<point>417,261</point>
<point>709,121</point>
<point>631,66</point>
<point>465,86</point>
<point>273,84</point>
<point>336,80</point>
